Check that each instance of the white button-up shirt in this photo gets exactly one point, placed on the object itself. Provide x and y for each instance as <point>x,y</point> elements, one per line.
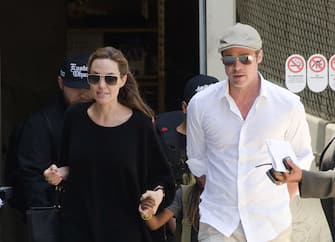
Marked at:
<point>228,150</point>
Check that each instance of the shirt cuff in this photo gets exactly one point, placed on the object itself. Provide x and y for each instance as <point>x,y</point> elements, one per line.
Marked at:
<point>197,167</point>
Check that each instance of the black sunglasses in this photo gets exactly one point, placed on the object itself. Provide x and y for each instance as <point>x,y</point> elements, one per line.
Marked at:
<point>94,79</point>
<point>229,60</point>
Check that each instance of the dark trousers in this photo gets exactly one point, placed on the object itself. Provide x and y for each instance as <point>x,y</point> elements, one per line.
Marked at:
<point>12,225</point>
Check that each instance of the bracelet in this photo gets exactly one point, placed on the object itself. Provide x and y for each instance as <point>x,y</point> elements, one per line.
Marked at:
<point>159,187</point>
<point>145,218</point>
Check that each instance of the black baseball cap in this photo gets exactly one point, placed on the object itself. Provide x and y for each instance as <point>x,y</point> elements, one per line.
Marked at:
<point>196,84</point>
<point>74,71</point>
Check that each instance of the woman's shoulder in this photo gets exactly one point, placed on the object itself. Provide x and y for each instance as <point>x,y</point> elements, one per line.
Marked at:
<point>142,122</point>
<point>142,118</point>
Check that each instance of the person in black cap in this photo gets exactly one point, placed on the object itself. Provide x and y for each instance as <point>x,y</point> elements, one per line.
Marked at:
<point>172,128</point>
<point>172,133</point>
<point>39,142</point>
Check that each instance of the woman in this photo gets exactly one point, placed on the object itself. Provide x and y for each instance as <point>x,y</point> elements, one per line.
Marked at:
<point>113,155</point>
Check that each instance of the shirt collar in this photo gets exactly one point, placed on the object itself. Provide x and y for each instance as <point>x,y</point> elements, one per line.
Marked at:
<point>264,92</point>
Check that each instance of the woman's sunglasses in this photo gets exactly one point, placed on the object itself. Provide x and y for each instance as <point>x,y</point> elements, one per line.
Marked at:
<point>229,60</point>
<point>94,79</point>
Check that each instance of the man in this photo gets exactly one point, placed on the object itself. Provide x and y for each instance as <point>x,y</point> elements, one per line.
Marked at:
<point>228,125</point>
<point>39,143</point>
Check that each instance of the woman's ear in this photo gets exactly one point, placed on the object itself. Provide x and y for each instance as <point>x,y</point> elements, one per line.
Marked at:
<point>123,80</point>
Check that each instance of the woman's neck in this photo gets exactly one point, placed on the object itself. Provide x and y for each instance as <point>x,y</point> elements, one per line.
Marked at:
<point>109,115</point>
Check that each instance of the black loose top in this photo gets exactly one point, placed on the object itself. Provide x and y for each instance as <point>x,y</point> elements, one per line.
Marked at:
<point>110,167</point>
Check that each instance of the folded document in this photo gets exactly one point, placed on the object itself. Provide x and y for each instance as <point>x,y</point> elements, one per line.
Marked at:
<point>280,149</point>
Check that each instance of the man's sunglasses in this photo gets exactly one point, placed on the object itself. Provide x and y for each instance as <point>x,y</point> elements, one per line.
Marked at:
<point>229,60</point>
<point>94,79</point>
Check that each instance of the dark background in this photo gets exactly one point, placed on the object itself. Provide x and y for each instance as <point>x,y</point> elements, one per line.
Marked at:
<point>34,43</point>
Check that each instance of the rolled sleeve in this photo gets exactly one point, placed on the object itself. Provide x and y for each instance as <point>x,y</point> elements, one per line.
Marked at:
<point>196,144</point>
<point>197,167</point>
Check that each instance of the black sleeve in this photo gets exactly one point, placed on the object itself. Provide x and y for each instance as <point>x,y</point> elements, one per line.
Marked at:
<point>34,156</point>
<point>159,171</point>
<point>71,116</point>
<point>65,140</point>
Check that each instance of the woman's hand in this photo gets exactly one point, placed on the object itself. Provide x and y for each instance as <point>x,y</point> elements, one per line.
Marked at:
<point>54,175</point>
<point>155,196</point>
<point>146,208</point>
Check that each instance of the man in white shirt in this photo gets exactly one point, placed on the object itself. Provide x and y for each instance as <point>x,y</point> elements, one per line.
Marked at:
<point>228,125</point>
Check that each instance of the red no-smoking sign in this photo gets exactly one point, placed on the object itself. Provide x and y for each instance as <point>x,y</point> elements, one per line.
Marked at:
<point>295,73</point>
<point>295,64</point>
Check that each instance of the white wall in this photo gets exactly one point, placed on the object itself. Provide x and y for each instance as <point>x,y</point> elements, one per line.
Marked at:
<point>220,14</point>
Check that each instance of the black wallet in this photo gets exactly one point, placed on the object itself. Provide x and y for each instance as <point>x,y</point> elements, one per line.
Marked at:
<point>271,172</point>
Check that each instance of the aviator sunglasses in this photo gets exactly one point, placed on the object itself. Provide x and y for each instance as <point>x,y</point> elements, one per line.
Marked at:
<point>229,60</point>
<point>94,79</point>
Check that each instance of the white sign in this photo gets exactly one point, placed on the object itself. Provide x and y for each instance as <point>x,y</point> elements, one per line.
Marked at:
<point>331,72</point>
<point>317,73</point>
<point>295,73</point>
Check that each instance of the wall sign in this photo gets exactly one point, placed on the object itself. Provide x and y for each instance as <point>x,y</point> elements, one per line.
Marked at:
<point>331,72</point>
<point>295,73</point>
<point>317,73</point>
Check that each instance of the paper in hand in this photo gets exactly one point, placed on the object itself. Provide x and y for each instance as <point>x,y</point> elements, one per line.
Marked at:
<point>280,149</point>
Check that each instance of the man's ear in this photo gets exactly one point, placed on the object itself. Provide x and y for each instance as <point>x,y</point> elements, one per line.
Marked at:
<point>184,106</point>
<point>60,83</point>
<point>260,56</point>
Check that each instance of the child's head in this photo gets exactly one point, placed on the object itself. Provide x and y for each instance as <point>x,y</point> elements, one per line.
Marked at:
<point>196,84</point>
